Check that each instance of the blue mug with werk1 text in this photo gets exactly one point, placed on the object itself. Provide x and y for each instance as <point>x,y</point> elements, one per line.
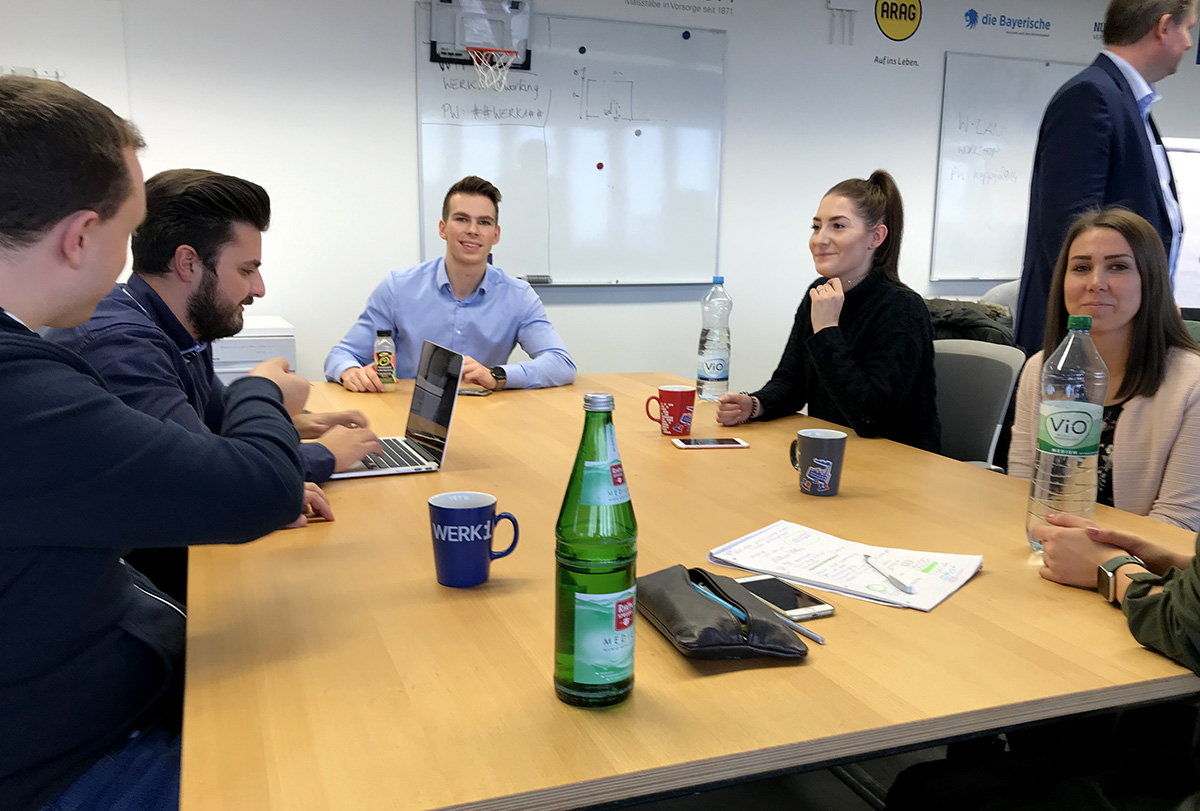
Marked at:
<point>462,525</point>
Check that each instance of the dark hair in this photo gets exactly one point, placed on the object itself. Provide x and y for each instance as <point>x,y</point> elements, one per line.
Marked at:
<point>61,151</point>
<point>1127,21</point>
<point>472,185</point>
<point>198,208</point>
<point>1157,326</point>
<point>877,200</point>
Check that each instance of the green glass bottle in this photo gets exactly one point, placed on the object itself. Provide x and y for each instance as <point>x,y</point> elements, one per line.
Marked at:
<point>596,555</point>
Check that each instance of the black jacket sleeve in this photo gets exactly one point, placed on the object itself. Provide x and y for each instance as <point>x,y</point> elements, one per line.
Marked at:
<point>786,393</point>
<point>83,469</point>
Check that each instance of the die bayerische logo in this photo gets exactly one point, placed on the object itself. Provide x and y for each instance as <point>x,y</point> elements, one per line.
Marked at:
<point>972,17</point>
<point>898,20</point>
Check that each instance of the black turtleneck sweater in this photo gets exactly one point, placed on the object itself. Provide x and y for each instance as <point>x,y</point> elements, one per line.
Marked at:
<point>873,372</point>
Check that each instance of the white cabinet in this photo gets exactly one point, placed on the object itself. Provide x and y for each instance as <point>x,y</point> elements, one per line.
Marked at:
<point>262,337</point>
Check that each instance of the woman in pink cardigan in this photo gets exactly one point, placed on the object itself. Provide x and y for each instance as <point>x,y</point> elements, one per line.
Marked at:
<point>1113,268</point>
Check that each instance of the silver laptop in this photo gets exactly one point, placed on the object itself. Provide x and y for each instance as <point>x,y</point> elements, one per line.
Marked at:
<point>423,446</point>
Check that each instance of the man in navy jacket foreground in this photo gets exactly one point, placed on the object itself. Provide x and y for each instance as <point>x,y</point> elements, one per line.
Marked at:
<point>90,652</point>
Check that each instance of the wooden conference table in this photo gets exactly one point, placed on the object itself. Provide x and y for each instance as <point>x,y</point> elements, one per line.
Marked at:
<point>327,669</point>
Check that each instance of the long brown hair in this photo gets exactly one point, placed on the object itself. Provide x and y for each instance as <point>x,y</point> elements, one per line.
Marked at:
<point>1157,326</point>
<point>877,200</point>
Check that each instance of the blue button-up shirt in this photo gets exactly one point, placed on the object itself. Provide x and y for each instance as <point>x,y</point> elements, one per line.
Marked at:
<point>1146,95</point>
<point>149,359</point>
<point>419,304</point>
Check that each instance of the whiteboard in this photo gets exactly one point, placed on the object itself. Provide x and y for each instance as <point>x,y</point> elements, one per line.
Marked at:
<point>607,153</point>
<point>992,109</point>
<point>1184,154</point>
<point>79,44</point>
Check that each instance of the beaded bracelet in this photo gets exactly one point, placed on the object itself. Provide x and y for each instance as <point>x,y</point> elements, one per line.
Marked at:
<point>755,408</point>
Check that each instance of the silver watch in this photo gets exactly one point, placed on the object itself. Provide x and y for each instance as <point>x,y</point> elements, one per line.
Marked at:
<point>1106,576</point>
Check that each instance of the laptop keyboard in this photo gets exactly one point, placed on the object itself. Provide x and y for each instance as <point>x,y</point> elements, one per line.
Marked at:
<point>395,454</point>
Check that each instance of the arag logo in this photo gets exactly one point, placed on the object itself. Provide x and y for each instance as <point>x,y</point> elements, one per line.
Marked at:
<point>898,19</point>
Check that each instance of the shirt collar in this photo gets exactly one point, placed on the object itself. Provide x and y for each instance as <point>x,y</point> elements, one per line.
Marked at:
<point>14,318</point>
<point>443,278</point>
<point>1143,92</point>
<point>152,305</point>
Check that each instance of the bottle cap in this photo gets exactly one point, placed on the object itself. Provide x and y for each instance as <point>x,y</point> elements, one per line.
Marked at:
<point>383,333</point>
<point>597,401</point>
<point>718,280</point>
<point>1079,322</point>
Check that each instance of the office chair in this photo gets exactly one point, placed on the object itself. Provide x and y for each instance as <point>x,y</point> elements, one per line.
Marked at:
<point>974,382</point>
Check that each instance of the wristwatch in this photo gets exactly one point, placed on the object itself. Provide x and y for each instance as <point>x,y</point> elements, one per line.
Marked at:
<point>1106,576</point>
<point>500,377</point>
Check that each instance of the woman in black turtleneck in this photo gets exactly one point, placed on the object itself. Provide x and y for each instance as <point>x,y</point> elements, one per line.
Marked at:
<point>861,349</point>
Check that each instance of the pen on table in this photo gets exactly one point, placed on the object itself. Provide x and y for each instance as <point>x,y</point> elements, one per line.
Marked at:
<point>893,578</point>
<point>740,614</point>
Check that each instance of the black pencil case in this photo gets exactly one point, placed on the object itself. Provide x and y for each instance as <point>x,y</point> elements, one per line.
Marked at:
<point>702,628</point>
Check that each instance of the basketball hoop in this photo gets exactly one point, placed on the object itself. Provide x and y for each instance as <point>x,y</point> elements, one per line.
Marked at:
<point>493,65</point>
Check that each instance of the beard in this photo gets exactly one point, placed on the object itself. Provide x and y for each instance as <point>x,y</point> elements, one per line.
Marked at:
<point>210,317</point>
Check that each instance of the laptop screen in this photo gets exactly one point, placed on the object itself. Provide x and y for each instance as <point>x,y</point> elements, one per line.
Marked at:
<point>434,395</point>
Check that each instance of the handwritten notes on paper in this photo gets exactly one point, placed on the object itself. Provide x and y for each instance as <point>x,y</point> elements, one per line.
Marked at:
<point>811,558</point>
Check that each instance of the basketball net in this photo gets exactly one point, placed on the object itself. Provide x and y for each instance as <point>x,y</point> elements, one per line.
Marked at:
<point>493,65</point>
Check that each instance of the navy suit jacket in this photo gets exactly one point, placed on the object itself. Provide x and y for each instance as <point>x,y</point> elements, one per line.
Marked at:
<point>1092,151</point>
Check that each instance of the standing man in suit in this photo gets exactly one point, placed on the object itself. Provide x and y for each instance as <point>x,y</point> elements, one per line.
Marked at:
<point>1098,145</point>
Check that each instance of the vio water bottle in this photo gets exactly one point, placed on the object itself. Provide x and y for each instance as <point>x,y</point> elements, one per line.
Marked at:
<point>712,373</point>
<point>1074,385</point>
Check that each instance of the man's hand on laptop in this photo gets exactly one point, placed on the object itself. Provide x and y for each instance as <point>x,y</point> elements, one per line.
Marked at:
<point>316,505</point>
<point>361,378</point>
<point>294,387</point>
<point>476,374</point>
<point>313,426</point>
<point>348,445</point>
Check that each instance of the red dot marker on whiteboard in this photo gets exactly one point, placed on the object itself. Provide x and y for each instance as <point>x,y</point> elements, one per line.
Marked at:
<point>599,165</point>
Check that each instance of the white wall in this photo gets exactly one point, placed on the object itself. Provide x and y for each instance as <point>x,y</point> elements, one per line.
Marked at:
<point>316,101</point>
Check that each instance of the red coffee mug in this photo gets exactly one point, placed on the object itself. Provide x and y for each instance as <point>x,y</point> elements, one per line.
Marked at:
<point>675,407</point>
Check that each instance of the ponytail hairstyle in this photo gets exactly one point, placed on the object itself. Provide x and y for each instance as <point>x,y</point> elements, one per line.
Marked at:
<point>877,200</point>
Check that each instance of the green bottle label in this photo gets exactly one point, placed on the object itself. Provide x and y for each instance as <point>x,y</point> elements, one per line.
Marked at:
<point>1070,428</point>
<point>604,482</point>
<point>604,636</point>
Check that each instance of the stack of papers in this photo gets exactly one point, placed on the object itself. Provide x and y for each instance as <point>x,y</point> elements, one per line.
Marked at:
<point>811,558</point>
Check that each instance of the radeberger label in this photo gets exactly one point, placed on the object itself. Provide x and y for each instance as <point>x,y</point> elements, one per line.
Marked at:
<point>1070,428</point>
<point>604,636</point>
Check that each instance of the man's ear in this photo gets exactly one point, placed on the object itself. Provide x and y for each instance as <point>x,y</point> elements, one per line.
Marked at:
<point>442,229</point>
<point>1164,26</point>
<point>186,264</point>
<point>75,232</point>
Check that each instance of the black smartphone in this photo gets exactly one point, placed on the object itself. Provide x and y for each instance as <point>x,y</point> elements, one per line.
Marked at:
<point>789,600</point>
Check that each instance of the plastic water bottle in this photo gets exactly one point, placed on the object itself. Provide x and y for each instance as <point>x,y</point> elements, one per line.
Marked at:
<point>1074,385</point>
<point>385,356</point>
<point>712,373</point>
<point>596,571</point>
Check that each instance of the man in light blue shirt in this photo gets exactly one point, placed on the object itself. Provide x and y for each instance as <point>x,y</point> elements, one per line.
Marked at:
<point>462,303</point>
